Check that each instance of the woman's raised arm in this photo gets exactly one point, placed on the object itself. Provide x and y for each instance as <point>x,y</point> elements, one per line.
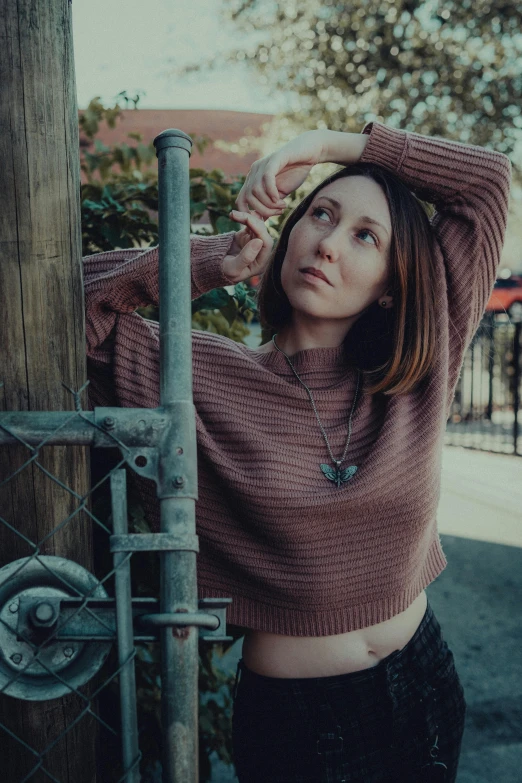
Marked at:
<point>120,281</point>
<point>273,177</point>
<point>468,185</point>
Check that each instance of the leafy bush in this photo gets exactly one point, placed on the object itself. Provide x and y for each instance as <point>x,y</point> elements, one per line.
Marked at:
<point>119,204</point>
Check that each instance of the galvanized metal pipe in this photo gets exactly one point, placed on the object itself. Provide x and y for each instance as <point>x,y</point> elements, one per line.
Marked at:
<point>55,427</point>
<point>101,428</point>
<point>178,588</point>
<point>125,633</point>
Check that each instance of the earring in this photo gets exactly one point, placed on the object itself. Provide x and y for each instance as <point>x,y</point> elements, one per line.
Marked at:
<point>383,304</point>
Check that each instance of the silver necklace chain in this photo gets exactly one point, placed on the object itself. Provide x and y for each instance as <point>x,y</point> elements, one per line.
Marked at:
<point>338,462</point>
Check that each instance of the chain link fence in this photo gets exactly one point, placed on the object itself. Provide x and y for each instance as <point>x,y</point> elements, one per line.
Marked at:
<point>54,634</point>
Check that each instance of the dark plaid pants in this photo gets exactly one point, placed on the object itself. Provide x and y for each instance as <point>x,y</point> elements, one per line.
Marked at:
<point>401,720</point>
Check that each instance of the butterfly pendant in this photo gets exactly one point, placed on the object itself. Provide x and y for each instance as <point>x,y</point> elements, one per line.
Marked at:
<point>337,475</point>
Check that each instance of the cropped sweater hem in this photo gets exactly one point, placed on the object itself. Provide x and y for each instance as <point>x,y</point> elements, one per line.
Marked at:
<point>335,618</point>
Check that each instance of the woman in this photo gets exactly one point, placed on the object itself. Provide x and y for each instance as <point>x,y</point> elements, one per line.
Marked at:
<point>319,453</point>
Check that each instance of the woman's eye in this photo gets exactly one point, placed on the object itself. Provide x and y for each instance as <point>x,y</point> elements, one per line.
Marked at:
<point>365,231</point>
<point>319,209</point>
<point>318,212</point>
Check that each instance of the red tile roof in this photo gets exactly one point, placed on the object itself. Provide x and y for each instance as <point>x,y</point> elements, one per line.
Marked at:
<point>228,126</point>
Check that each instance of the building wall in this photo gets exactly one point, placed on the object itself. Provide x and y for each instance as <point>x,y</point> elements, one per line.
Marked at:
<point>239,131</point>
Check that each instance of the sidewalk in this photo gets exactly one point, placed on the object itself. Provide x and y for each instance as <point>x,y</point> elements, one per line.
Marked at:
<point>478,602</point>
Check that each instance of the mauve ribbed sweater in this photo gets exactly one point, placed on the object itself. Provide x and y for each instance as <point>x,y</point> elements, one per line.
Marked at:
<point>298,555</point>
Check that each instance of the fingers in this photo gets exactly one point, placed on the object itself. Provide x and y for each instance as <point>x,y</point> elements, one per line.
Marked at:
<point>260,194</point>
<point>254,256</point>
<point>271,187</point>
<point>265,208</point>
<point>256,206</point>
<point>254,223</point>
<point>253,248</point>
<point>256,246</point>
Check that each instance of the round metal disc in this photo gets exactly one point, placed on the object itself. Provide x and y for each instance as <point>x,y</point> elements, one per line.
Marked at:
<point>28,673</point>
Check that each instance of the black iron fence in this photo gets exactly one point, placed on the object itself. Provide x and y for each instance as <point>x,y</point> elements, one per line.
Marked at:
<point>485,413</point>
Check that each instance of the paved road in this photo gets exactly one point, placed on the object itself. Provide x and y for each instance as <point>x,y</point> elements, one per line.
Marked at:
<point>478,601</point>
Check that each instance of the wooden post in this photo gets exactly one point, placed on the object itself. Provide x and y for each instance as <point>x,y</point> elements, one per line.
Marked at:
<point>42,342</point>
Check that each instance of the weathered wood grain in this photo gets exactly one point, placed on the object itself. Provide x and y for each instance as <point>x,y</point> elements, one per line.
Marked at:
<point>41,340</point>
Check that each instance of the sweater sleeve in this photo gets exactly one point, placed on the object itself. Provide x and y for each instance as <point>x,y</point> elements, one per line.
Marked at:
<point>119,281</point>
<point>469,188</point>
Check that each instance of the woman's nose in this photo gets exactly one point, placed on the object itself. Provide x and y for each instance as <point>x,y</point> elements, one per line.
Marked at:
<point>329,248</point>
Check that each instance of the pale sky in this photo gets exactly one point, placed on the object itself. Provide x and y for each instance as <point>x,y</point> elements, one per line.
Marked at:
<point>129,45</point>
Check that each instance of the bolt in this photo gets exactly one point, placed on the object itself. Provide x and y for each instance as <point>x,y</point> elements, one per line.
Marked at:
<point>180,632</point>
<point>109,423</point>
<point>13,607</point>
<point>178,481</point>
<point>44,612</point>
<point>68,652</point>
<point>16,658</point>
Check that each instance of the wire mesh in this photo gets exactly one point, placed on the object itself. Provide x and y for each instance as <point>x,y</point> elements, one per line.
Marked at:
<point>19,669</point>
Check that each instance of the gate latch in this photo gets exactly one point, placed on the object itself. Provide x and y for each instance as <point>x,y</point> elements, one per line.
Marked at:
<point>63,619</point>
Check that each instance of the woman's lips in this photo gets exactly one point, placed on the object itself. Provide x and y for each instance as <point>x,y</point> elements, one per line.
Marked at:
<point>314,278</point>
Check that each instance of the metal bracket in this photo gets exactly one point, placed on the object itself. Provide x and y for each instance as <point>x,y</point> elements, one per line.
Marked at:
<point>154,542</point>
<point>145,433</point>
<point>135,427</point>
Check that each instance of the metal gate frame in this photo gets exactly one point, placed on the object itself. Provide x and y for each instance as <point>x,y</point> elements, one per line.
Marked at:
<point>50,600</point>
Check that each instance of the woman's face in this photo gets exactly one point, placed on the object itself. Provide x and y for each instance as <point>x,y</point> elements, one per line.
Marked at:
<point>352,252</point>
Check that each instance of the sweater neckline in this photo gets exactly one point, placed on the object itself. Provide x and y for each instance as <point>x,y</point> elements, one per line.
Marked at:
<point>305,359</point>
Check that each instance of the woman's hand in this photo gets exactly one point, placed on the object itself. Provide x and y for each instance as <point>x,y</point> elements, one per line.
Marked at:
<point>273,177</point>
<point>250,249</point>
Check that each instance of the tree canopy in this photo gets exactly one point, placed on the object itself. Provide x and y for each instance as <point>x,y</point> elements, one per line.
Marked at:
<point>450,69</point>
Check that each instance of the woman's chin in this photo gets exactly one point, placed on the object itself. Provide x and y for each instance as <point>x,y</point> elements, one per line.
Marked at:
<point>309,297</point>
<point>313,313</point>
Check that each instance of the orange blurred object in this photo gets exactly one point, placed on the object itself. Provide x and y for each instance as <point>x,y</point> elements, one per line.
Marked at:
<point>506,296</point>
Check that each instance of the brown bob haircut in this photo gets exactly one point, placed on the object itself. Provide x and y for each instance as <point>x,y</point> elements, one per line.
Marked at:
<point>395,348</point>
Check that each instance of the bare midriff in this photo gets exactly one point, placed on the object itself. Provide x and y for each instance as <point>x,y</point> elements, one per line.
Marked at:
<point>276,655</point>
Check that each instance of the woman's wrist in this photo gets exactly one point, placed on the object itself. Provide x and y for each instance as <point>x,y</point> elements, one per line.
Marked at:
<point>343,148</point>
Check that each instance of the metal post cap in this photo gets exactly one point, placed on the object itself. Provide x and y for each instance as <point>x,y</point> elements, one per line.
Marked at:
<point>173,137</point>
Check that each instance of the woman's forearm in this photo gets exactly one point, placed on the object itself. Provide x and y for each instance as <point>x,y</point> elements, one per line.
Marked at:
<point>343,148</point>
<point>280,173</point>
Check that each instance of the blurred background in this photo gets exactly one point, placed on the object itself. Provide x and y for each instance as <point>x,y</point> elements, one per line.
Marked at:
<point>242,77</point>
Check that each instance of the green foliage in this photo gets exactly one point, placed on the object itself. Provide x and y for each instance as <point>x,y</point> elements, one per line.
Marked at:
<point>210,191</point>
<point>116,215</point>
<point>119,204</point>
<point>119,210</point>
